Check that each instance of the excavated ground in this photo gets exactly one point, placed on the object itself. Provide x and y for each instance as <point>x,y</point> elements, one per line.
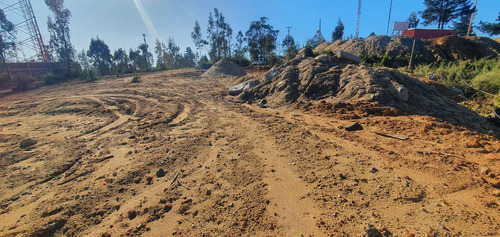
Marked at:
<point>174,155</point>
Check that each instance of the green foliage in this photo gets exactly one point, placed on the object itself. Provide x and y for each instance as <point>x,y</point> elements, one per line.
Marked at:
<point>90,75</point>
<point>6,37</point>
<point>52,78</point>
<point>4,78</point>
<point>413,20</point>
<point>491,28</point>
<point>316,40</point>
<point>241,61</point>
<point>21,82</point>
<point>58,28</point>
<point>261,39</point>
<point>100,55</point>
<point>219,36</point>
<point>308,51</point>
<point>469,76</point>
<point>136,79</point>
<point>338,33</point>
<point>444,11</point>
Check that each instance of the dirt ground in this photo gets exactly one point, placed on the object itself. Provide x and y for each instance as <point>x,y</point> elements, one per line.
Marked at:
<point>175,155</point>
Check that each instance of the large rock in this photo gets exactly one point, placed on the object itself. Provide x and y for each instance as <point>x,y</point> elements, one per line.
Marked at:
<point>237,89</point>
<point>27,143</point>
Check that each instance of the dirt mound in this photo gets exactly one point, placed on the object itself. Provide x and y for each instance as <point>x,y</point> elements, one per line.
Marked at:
<point>224,68</point>
<point>308,79</point>
<point>426,51</point>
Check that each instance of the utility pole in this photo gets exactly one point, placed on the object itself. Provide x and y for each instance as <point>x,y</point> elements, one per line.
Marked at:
<point>319,26</point>
<point>471,18</point>
<point>288,37</point>
<point>144,36</point>
<point>389,21</point>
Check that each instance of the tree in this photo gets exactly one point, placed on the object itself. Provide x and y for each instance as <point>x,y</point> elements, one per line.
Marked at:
<point>173,54</point>
<point>219,36</point>
<point>338,32</point>
<point>413,20</point>
<point>189,58</point>
<point>120,61</point>
<point>100,55</point>
<point>261,39</point>
<point>160,55</point>
<point>462,26</point>
<point>145,59</point>
<point>316,40</point>
<point>58,28</point>
<point>490,28</point>
<point>291,48</point>
<point>240,49</point>
<point>7,37</point>
<point>444,11</point>
<point>83,59</point>
<point>198,40</point>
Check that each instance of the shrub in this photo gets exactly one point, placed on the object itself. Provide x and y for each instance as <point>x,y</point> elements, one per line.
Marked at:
<point>22,82</point>
<point>90,75</point>
<point>308,51</point>
<point>136,79</point>
<point>4,78</point>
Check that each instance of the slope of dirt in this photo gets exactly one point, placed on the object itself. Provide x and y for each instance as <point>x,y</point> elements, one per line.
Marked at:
<point>426,51</point>
<point>308,79</point>
<point>173,155</point>
<point>224,68</point>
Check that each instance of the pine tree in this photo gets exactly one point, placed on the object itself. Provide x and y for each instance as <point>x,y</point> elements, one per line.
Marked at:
<point>338,33</point>
<point>491,28</point>
<point>413,20</point>
<point>444,11</point>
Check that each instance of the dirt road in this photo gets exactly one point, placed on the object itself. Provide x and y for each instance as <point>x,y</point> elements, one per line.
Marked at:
<point>174,155</point>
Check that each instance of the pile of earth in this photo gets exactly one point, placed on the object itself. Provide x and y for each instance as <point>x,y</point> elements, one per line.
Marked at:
<point>308,80</point>
<point>224,68</point>
<point>398,49</point>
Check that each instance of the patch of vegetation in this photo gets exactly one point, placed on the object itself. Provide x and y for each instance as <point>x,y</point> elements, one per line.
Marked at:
<point>22,82</point>
<point>479,80</point>
<point>308,51</point>
<point>90,75</point>
<point>136,79</point>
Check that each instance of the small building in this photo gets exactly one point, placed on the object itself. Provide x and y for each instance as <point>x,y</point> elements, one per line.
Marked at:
<point>427,33</point>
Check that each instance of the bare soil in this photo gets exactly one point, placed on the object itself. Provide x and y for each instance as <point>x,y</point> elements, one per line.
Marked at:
<point>175,155</point>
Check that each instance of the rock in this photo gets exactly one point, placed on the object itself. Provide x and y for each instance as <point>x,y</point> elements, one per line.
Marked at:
<point>273,73</point>
<point>324,58</point>
<point>374,170</point>
<point>371,231</point>
<point>494,182</point>
<point>354,127</point>
<point>28,142</point>
<point>263,103</point>
<point>50,228</point>
<point>485,170</point>
<point>232,159</point>
<point>160,173</point>
<point>244,86</point>
<point>496,193</point>
<point>345,57</point>
<point>131,214</point>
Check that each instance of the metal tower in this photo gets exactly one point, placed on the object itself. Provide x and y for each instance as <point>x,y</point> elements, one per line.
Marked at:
<point>359,15</point>
<point>29,41</point>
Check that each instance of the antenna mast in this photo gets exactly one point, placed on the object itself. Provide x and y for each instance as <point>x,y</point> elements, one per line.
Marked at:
<point>29,36</point>
<point>359,14</point>
<point>389,20</point>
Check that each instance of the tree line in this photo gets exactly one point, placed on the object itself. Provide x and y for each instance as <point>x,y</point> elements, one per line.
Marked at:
<point>258,43</point>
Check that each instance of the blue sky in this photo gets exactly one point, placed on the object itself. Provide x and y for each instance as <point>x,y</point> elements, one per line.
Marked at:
<point>120,25</point>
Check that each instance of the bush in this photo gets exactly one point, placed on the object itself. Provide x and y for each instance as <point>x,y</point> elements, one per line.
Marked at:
<point>488,82</point>
<point>136,79</point>
<point>4,78</point>
<point>308,51</point>
<point>22,82</point>
<point>51,78</point>
<point>90,75</point>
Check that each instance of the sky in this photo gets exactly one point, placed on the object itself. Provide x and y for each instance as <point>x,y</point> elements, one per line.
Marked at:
<point>121,23</point>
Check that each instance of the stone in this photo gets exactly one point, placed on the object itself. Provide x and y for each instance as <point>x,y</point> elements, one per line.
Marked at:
<point>28,142</point>
<point>354,127</point>
<point>243,86</point>
<point>160,173</point>
<point>263,103</point>
<point>374,170</point>
<point>273,73</point>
